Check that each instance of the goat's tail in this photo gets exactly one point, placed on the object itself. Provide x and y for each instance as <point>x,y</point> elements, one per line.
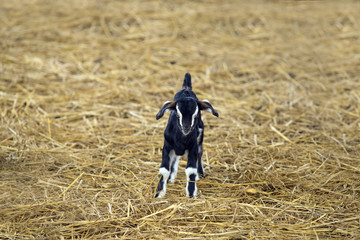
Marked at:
<point>187,82</point>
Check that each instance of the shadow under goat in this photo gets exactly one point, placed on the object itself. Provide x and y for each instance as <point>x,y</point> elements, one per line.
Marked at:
<point>184,135</point>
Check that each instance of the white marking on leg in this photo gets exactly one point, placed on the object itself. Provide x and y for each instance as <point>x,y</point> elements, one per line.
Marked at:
<point>174,163</point>
<point>165,173</point>
<point>201,130</point>
<point>189,171</point>
<point>200,134</point>
<point>175,170</point>
<point>200,159</point>
<point>172,157</point>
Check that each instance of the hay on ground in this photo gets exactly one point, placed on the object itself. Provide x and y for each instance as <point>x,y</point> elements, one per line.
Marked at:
<point>81,82</point>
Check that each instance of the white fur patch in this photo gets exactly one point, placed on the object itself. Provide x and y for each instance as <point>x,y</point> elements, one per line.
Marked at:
<point>180,115</point>
<point>200,160</point>
<point>161,193</point>
<point>165,173</point>
<point>167,110</point>
<point>189,171</point>
<point>167,102</point>
<point>174,160</point>
<point>200,134</point>
<point>194,116</point>
<point>172,157</point>
<point>207,109</point>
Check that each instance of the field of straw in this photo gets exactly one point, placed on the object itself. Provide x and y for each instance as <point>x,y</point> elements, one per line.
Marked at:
<point>81,82</point>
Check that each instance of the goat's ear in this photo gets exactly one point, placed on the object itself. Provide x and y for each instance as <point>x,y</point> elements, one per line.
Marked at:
<point>205,105</point>
<point>168,106</point>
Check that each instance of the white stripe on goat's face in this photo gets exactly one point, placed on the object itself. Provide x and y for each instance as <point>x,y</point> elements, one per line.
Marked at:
<point>187,113</point>
<point>179,114</point>
<point>194,116</point>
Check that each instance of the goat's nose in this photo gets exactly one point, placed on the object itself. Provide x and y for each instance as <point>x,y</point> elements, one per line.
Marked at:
<point>186,130</point>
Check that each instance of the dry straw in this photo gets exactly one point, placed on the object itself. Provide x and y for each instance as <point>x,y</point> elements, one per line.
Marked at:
<point>81,82</point>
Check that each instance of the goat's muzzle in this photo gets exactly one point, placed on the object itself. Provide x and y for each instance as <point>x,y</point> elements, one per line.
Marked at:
<point>186,130</point>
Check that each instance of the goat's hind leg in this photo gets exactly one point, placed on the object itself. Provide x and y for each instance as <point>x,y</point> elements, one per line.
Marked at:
<point>174,164</point>
<point>199,163</point>
<point>164,173</point>
<point>200,168</point>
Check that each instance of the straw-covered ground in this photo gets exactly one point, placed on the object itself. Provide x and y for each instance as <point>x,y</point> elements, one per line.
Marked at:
<point>80,85</point>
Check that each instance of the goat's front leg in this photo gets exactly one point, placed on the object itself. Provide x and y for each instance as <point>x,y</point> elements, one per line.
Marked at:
<point>164,172</point>
<point>191,172</point>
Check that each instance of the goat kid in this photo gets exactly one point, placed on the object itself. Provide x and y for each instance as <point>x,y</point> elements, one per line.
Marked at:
<point>184,135</point>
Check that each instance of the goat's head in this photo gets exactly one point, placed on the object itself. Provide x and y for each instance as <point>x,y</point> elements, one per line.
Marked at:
<point>187,111</point>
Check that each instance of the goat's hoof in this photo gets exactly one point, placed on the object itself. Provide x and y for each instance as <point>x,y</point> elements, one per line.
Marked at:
<point>191,196</point>
<point>157,195</point>
<point>160,194</point>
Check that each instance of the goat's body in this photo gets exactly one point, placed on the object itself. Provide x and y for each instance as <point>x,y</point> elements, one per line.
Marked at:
<point>176,145</point>
<point>183,137</point>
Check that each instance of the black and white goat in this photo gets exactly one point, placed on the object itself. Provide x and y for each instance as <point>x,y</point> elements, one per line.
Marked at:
<point>184,135</point>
